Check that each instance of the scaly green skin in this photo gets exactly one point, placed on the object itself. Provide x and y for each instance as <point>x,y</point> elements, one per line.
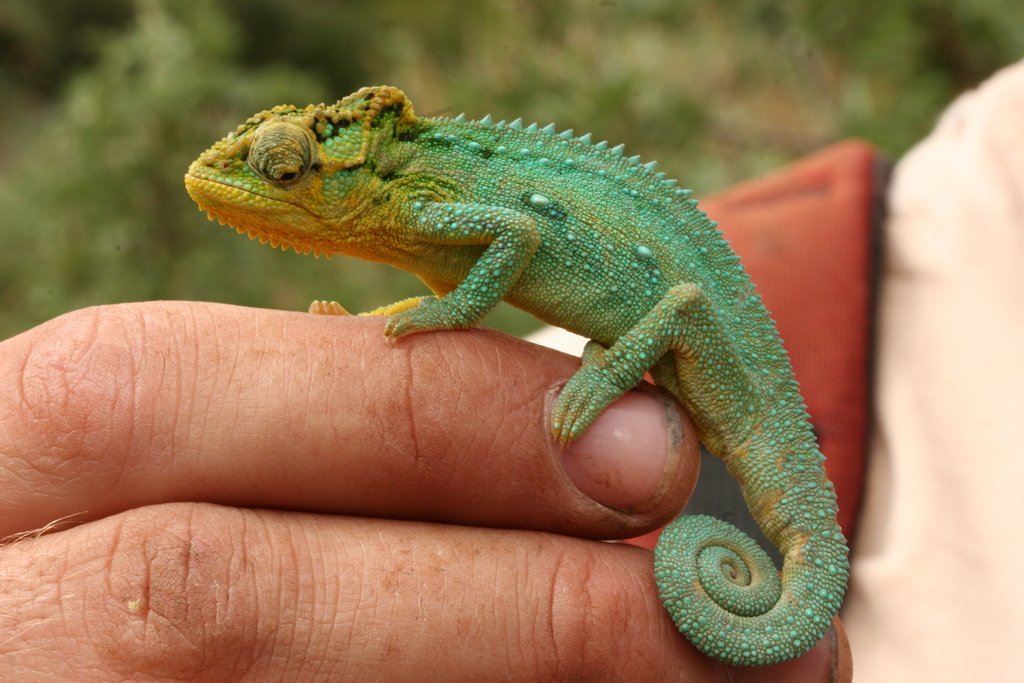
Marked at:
<point>603,246</point>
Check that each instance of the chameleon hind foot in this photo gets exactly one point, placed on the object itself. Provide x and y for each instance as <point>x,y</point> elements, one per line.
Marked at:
<point>607,373</point>
<point>327,308</point>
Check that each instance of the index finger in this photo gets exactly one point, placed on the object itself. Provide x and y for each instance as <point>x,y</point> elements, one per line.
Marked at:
<point>116,407</point>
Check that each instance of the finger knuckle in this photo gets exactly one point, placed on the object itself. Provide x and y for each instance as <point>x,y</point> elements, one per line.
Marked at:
<point>67,392</point>
<point>178,604</point>
<point>597,618</point>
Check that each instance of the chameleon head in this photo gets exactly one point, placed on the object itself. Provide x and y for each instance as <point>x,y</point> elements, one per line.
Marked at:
<point>264,181</point>
<point>288,175</point>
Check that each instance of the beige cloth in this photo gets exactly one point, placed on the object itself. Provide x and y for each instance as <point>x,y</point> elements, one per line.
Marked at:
<point>938,568</point>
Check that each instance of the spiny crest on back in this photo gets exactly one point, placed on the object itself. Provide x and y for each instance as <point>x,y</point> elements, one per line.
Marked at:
<point>612,157</point>
<point>564,151</point>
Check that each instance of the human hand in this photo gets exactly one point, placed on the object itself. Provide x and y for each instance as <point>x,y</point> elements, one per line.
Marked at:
<point>242,494</point>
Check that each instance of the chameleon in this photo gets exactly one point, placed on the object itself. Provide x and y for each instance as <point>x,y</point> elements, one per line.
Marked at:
<point>588,239</point>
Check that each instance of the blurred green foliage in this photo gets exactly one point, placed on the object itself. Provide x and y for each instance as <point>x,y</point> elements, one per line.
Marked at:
<point>107,101</point>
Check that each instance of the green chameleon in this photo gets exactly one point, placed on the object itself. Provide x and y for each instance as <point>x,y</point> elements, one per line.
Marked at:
<point>586,239</point>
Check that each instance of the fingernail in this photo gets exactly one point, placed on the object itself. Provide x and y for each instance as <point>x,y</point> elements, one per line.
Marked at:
<point>841,664</point>
<point>627,458</point>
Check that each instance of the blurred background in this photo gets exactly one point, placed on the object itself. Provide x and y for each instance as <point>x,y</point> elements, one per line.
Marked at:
<point>105,103</point>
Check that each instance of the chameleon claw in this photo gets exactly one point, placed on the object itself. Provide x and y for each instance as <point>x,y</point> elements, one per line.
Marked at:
<point>565,433</point>
<point>395,327</point>
<point>428,315</point>
<point>401,324</point>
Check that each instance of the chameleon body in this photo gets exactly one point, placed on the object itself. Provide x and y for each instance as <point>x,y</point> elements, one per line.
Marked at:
<point>586,239</point>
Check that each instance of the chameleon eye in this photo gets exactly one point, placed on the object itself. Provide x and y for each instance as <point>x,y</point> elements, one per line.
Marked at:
<point>282,152</point>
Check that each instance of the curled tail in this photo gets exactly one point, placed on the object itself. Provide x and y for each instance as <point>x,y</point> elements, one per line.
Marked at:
<point>726,597</point>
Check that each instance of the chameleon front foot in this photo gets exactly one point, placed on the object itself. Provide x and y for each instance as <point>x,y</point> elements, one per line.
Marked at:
<point>430,314</point>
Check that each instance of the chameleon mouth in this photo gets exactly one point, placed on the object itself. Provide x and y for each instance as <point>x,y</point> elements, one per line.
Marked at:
<point>226,204</point>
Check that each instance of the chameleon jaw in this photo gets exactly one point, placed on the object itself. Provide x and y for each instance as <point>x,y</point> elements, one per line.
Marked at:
<point>227,205</point>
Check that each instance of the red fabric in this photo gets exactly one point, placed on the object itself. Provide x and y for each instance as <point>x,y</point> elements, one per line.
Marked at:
<point>805,236</point>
